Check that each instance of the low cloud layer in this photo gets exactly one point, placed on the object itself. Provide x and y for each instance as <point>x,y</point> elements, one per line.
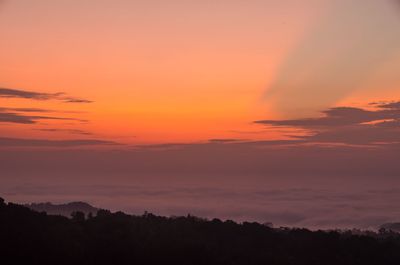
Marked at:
<point>300,207</point>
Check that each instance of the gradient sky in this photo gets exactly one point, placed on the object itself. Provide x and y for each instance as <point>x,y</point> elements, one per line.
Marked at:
<point>185,100</point>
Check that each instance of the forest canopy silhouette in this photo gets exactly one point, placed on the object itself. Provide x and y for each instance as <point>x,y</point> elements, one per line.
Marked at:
<point>30,237</point>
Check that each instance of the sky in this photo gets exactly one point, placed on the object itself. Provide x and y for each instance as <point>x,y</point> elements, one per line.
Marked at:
<point>275,111</point>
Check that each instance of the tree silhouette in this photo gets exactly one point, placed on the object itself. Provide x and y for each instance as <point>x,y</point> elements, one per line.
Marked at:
<point>29,237</point>
<point>78,216</point>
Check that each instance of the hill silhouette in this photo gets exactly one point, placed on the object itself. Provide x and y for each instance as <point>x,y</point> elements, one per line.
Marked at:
<point>30,237</point>
<point>63,209</point>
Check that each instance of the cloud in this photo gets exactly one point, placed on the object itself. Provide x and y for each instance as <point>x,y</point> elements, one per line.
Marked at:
<point>165,146</point>
<point>24,115</point>
<point>11,117</point>
<point>332,207</point>
<point>224,140</point>
<point>17,93</point>
<point>72,131</point>
<point>19,142</point>
<point>350,125</point>
<point>25,110</point>
<point>37,110</point>
<point>342,116</point>
<point>217,144</point>
<point>283,182</point>
<point>16,118</point>
<point>265,143</point>
<point>76,100</point>
<point>294,182</point>
<point>390,105</point>
<point>32,115</point>
<point>360,134</point>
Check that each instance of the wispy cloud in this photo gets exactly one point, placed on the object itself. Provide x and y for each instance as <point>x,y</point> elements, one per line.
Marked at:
<point>342,116</point>
<point>12,117</point>
<point>17,93</point>
<point>350,125</point>
<point>76,100</point>
<point>224,140</point>
<point>216,144</point>
<point>25,115</point>
<point>25,110</point>
<point>72,131</point>
<point>19,142</point>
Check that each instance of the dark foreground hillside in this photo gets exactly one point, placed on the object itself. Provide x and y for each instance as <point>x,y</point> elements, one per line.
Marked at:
<point>28,237</point>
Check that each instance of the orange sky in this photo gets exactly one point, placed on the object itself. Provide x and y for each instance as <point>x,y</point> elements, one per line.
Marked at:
<point>188,71</point>
<point>237,109</point>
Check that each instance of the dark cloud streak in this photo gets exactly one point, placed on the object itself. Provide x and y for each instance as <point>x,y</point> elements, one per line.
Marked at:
<point>72,131</point>
<point>11,117</point>
<point>350,125</point>
<point>14,117</point>
<point>19,142</point>
<point>25,110</point>
<point>17,93</point>
<point>342,116</point>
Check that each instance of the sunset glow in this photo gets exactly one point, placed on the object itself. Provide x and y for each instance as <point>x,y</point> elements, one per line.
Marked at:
<point>264,88</point>
<point>160,73</point>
